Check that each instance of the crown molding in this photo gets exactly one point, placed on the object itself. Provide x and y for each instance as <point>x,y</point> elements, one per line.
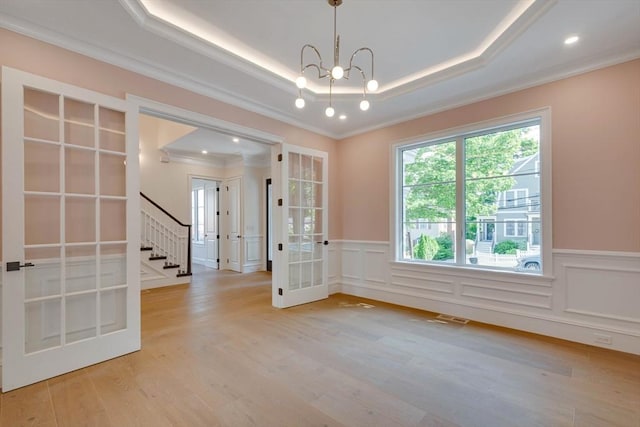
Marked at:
<point>540,78</point>
<point>154,71</point>
<point>169,31</point>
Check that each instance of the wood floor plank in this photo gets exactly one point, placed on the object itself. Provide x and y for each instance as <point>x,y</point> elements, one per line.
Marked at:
<point>28,406</point>
<point>75,401</point>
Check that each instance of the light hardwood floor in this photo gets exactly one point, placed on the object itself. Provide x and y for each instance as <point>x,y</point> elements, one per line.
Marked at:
<point>216,353</point>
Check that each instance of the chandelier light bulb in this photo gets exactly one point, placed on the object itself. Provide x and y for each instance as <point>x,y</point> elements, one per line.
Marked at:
<point>329,111</point>
<point>337,72</point>
<point>310,58</point>
<point>301,82</point>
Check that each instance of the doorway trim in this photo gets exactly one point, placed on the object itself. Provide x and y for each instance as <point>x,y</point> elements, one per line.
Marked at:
<point>192,118</point>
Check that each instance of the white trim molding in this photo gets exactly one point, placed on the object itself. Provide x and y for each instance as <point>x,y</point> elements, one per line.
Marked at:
<point>592,297</point>
<point>253,254</point>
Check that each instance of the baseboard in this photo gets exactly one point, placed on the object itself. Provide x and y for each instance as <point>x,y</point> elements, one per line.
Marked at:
<point>165,281</point>
<point>252,268</point>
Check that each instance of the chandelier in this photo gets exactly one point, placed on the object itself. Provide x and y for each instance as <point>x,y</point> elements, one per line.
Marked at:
<point>336,72</point>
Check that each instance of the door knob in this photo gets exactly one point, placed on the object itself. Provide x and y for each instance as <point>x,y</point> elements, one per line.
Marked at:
<point>15,265</point>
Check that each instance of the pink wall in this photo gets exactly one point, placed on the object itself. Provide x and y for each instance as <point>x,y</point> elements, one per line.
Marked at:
<point>46,60</point>
<point>595,130</point>
<point>596,159</point>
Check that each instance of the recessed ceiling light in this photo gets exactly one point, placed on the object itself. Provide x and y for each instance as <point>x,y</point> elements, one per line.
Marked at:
<point>204,151</point>
<point>571,40</point>
<point>236,139</point>
<point>342,117</point>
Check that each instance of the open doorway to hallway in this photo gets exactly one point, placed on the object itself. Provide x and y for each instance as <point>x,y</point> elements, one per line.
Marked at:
<point>213,179</point>
<point>205,214</point>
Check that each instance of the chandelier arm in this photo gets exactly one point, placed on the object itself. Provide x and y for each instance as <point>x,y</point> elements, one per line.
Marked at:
<point>364,79</point>
<point>312,47</point>
<point>356,52</point>
<point>318,68</point>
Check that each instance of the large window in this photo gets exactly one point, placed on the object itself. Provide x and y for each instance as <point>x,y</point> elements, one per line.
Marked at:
<point>473,198</point>
<point>197,214</point>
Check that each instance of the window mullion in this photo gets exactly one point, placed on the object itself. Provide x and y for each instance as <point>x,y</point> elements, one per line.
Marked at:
<point>460,202</point>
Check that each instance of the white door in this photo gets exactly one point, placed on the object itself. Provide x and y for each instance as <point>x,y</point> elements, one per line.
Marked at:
<point>301,228</point>
<point>211,233</point>
<point>233,224</point>
<point>71,294</point>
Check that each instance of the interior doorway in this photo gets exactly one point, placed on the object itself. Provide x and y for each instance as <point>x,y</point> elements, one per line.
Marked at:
<point>196,165</point>
<point>205,222</point>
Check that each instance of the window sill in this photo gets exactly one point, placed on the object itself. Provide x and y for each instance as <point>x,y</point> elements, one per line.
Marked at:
<point>475,272</point>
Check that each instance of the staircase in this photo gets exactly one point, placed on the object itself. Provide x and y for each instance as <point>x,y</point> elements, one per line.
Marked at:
<point>165,247</point>
<point>484,247</point>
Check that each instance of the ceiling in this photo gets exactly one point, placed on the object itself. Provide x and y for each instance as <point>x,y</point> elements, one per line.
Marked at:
<point>430,55</point>
<point>186,143</point>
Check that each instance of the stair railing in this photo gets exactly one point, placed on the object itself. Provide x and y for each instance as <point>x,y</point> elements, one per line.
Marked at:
<point>165,235</point>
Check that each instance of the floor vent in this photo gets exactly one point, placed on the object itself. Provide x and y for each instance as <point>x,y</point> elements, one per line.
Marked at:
<point>454,319</point>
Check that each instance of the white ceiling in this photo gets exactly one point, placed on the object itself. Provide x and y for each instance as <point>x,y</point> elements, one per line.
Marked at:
<point>430,55</point>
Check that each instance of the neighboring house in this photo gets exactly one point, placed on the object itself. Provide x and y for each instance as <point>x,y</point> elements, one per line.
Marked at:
<point>518,216</point>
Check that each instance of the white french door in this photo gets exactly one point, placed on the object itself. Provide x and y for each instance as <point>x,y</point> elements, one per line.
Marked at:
<point>301,227</point>
<point>233,224</point>
<point>211,231</point>
<point>71,285</point>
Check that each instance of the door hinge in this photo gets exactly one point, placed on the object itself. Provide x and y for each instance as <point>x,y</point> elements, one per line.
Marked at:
<point>279,291</point>
<point>217,188</point>
<point>279,246</point>
<point>227,188</point>
<point>279,202</point>
<point>279,157</point>
<point>217,212</point>
<point>217,236</point>
<point>218,260</point>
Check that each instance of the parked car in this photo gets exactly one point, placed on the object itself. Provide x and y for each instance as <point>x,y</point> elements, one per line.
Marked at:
<point>531,262</point>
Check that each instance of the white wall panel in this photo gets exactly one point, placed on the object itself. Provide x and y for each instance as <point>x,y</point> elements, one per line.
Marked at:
<point>607,292</point>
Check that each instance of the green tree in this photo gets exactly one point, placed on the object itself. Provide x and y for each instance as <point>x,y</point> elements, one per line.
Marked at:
<point>426,248</point>
<point>430,174</point>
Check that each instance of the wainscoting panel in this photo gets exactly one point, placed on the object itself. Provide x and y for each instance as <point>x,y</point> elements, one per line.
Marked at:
<point>253,254</point>
<point>590,290</point>
<point>334,269</point>
<point>593,297</point>
<point>351,260</point>
<point>409,280</point>
<point>375,262</point>
<point>509,295</point>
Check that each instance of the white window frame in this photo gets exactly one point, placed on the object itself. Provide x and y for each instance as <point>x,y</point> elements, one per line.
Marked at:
<point>515,223</point>
<point>195,216</point>
<point>396,179</point>
<point>519,201</point>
